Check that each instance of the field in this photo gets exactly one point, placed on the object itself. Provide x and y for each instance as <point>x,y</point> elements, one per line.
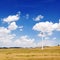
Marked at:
<point>49,53</point>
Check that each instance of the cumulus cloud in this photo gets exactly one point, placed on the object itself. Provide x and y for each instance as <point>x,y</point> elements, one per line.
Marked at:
<point>42,34</point>
<point>38,18</point>
<point>9,41</point>
<point>46,38</point>
<point>21,28</point>
<point>5,37</point>
<point>47,43</point>
<point>58,27</point>
<point>12,26</point>
<point>11,18</point>
<point>46,27</point>
<point>25,41</point>
<point>4,30</point>
<point>43,26</point>
<point>50,33</point>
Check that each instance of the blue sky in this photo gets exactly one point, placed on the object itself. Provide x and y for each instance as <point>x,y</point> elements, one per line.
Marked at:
<point>20,17</point>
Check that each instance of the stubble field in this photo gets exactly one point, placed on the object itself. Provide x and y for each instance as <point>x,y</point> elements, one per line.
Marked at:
<point>48,53</point>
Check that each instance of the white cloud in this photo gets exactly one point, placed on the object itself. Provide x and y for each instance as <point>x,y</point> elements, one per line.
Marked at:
<point>46,38</point>
<point>12,26</point>
<point>11,18</point>
<point>50,33</point>
<point>4,30</point>
<point>9,40</point>
<point>47,43</point>
<point>6,40</point>
<point>5,36</point>
<point>43,26</point>
<point>46,27</point>
<point>38,18</point>
<point>58,28</point>
<point>42,34</point>
<point>21,28</point>
<point>25,41</point>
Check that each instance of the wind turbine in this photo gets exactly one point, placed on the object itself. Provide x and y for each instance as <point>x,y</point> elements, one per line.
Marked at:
<point>42,35</point>
<point>42,42</point>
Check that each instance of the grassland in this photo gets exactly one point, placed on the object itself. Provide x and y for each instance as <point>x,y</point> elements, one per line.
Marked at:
<point>49,53</point>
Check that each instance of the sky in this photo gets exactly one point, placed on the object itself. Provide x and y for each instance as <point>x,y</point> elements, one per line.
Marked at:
<point>23,23</point>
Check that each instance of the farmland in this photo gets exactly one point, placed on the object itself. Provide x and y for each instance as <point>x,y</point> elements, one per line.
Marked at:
<point>48,53</point>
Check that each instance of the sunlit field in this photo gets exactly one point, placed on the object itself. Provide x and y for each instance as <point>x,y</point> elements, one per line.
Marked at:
<point>48,53</point>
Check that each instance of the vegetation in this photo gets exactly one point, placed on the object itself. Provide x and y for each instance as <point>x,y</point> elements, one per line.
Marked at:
<point>49,53</point>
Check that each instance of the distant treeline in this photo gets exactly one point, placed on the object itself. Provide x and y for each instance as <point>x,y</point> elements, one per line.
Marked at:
<point>24,47</point>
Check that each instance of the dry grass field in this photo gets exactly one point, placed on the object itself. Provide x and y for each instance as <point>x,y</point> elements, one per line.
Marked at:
<point>49,53</point>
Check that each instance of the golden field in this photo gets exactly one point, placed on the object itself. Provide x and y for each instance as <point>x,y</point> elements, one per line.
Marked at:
<point>48,53</point>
